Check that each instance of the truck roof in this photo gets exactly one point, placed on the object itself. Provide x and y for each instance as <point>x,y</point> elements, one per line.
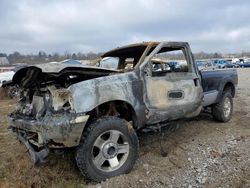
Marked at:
<point>130,50</point>
<point>137,49</point>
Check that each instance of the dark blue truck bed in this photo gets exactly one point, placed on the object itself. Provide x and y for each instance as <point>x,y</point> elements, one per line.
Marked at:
<point>214,82</point>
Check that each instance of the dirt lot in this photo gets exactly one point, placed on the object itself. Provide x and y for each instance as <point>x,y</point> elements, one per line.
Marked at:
<point>201,153</point>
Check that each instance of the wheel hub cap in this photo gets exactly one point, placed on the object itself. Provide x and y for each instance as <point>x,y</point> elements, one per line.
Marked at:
<point>110,150</point>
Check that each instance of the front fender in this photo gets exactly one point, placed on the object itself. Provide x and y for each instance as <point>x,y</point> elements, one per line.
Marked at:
<point>87,95</point>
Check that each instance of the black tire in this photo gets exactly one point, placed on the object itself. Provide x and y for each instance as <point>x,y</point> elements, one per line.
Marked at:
<point>85,152</point>
<point>218,110</point>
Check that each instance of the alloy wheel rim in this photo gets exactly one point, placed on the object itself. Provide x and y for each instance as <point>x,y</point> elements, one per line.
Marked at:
<point>110,151</point>
<point>227,107</point>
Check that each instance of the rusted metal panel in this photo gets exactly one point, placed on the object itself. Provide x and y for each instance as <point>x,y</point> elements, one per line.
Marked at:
<point>101,90</point>
<point>62,129</point>
<point>127,87</point>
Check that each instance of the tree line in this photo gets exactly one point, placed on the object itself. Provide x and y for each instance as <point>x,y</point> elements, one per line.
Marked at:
<point>42,57</point>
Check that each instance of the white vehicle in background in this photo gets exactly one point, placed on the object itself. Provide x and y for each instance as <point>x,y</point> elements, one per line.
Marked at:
<point>6,77</point>
<point>236,60</point>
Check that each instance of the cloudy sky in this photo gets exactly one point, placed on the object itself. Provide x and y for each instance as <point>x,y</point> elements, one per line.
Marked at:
<point>97,25</point>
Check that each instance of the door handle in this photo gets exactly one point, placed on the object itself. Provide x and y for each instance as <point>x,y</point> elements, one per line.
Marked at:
<point>175,94</point>
<point>196,81</point>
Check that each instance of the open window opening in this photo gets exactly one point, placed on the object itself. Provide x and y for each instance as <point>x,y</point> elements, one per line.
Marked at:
<point>126,58</point>
<point>169,60</point>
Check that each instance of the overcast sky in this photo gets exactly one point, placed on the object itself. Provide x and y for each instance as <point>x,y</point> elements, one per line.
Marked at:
<point>98,25</point>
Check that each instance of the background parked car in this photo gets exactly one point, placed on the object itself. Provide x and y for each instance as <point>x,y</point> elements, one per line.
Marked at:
<point>225,64</point>
<point>205,65</point>
<point>221,64</point>
<point>229,64</point>
<point>71,61</point>
<point>244,64</point>
<point>6,77</point>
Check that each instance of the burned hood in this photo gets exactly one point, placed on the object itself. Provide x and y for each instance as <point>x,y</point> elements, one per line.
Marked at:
<point>55,72</point>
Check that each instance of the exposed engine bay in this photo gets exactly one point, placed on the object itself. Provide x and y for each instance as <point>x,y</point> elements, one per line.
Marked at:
<point>43,94</point>
<point>46,92</point>
<point>44,116</point>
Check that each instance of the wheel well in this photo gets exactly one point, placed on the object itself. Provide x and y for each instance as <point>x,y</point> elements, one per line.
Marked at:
<point>116,108</point>
<point>230,86</point>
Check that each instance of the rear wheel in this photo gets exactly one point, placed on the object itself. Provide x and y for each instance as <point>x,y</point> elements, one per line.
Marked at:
<point>223,110</point>
<point>109,147</point>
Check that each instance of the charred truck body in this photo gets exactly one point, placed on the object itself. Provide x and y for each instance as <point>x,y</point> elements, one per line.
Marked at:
<point>97,109</point>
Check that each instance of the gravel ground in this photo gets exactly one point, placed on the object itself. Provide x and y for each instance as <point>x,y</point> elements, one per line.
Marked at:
<point>200,153</point>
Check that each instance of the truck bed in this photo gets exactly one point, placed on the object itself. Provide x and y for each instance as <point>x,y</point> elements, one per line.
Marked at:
<point>213,82</point>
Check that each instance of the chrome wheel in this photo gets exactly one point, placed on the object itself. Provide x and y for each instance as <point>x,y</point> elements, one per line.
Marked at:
<point>110,151</point>
<point>227,107</point>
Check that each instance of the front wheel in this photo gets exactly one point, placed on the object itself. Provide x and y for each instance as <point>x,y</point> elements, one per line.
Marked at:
<point>109,147</point>
<point>223,110</point>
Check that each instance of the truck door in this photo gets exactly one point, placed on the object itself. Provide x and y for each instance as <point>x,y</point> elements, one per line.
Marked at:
<point>172,85</point>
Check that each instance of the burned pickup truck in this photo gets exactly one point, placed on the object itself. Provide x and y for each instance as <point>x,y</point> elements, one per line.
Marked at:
<point>98,109</point>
